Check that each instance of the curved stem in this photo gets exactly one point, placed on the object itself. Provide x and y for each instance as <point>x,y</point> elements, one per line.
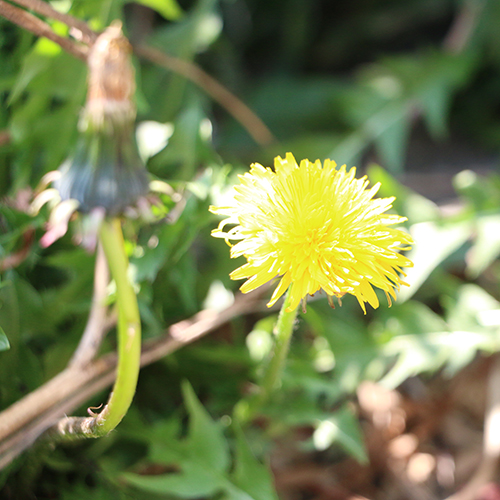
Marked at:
<point>245,411</point>
<point>129,343</point>
<point>129,328</point>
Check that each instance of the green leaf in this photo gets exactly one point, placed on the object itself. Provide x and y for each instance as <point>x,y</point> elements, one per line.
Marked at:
<point>435,102</point>
<point>475,317</point>
<point>95,492</point>
<point>169,9</point>
<point>183,146</point>
<point>408,203</point>
<point>486,247</point>
<point>341,428</point>
<point>204,434</point>
<point>481,193</point>
<point>201,457</point>
<point>4,341</point>
<point>33,64</point>
<point>412,318</point>
<point>193,482</point>
<point>393,126</point>
<point>441,75</point>
<point>201,461</point>
<point>469,310</point>
<point>416,354</point>
<point>423,342</point>
<point>413,343</point>
<point>249,474</point>
<point>433,244</point>
<point>349,149</point>
<point>348,339</point>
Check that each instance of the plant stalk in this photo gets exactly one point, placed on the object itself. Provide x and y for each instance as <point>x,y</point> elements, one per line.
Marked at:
<point>271,379</point>
<point>129,343</point>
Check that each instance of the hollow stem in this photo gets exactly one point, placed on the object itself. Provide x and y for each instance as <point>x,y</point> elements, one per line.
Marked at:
<point>129,344</point>
<point>271,379</point>
<point>128,328</point>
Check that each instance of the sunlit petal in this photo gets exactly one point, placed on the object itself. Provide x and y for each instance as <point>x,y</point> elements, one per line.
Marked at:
<point>317,227</point>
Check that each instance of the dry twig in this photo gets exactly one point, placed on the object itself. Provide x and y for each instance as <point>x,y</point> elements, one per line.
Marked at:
<point>40,28</point>
<point>234,106</point>
<point>97,323</point>
<point>463,27</point>
<point>87,35</point>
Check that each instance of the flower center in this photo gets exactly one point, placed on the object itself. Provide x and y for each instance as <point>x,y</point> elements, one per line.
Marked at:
<point>311,244</point>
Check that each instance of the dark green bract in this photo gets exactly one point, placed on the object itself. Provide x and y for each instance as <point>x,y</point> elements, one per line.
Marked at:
<point>106,171</point>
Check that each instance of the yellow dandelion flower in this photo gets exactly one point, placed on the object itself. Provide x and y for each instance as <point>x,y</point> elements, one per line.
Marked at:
<point>316,227</point>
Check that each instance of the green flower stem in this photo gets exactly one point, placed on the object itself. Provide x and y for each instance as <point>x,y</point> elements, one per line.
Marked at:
<point>129,328</point>
<point>129,344</point>
<point>245,411</point>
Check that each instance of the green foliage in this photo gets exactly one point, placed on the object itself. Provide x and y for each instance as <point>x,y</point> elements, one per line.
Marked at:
<point>348,84</point>
<point>169,9</point>
<point>342,427</point>
<point>4,341</point>
<point>201,461</point>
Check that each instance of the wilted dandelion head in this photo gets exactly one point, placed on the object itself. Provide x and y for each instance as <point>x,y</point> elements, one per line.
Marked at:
<point>105,177</point>
<point>316,227</point>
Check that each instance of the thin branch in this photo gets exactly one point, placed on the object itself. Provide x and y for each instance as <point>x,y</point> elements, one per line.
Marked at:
<point>23,422</point>
<point>97,323</point>
<point>40,28</point>
<point>463,27</point>
<point>45,9</point>
<point>234,106</point>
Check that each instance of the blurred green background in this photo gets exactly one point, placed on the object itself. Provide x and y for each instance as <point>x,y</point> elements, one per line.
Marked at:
<point>407,90</point>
